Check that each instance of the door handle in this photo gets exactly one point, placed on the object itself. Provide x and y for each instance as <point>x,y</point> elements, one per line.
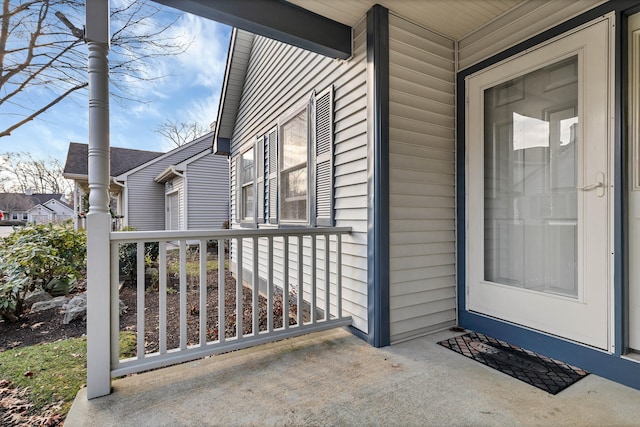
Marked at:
<point>598,185</point>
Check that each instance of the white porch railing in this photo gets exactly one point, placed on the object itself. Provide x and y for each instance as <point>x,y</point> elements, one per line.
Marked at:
<point>307,282</point>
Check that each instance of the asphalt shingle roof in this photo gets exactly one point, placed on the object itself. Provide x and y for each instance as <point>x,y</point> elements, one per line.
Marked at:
<point>22,202</point>
<point>122,159</point>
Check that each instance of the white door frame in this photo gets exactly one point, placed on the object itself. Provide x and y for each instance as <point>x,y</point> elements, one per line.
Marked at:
<point>167,208</point>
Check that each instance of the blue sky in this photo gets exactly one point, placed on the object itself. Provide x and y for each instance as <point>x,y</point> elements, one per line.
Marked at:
<point>191,93</point>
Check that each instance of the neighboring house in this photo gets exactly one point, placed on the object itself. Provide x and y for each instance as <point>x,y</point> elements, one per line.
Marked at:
<point>50,211</point>
<point>184,189</point>
<point>36,208</point>
<point>479,163</point>
<point>76,168</point>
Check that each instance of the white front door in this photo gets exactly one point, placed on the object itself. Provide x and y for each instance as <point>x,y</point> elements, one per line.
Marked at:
<point>173,211</point>
<point>539,190</point>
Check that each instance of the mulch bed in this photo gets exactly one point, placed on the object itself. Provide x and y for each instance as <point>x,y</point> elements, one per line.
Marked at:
<point>46,326</point>
<point>128,321</point>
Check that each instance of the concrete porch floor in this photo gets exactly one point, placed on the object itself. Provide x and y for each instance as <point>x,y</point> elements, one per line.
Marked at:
<point>334,378</point>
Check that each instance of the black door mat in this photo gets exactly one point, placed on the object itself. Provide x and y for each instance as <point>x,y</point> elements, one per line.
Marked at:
<point>540,371</point>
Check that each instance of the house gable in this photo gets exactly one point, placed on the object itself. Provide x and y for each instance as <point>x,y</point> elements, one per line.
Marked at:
<point>144,197</point>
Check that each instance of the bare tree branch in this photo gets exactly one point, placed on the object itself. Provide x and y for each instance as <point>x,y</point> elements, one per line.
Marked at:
<point>181,132</point>
<point>40,60</point>
<point>32,116</point>
<point>21,172</point>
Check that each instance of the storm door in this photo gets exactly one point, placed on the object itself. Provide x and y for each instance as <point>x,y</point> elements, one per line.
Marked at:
<point>538,188</point>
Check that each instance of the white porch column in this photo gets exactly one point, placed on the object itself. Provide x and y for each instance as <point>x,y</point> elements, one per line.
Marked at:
<point>98,218</point>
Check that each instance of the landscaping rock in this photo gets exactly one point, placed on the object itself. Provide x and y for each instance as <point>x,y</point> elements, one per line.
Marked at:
<point>47,305</point>
<point>37,296</point>
<point>76,308</point>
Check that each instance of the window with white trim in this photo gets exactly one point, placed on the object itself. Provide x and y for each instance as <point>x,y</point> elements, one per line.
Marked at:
<point>246,179</point>
<point>292,176</point>
<point>294,142</point>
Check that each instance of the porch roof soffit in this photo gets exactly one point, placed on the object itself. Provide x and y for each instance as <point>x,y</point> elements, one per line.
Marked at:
<point>167,174</point>
<point>276,19</point>
<point>451,19</point>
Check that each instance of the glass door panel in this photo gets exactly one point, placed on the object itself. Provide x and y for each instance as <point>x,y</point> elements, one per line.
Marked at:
<point>530,196</point>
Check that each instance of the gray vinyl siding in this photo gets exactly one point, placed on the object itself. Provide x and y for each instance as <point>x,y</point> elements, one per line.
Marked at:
<point>207,192</point>
<point>422,177</point>
<point>521,23</point>
<point>145,197</point>
<point>281,77</point>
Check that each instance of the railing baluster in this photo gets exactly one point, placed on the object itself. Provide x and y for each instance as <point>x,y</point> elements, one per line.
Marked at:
<point>327,277</point>
<point>140,299</point>
<point>203,292</point>
<point>255,311</point>
<point>270,285</point>
<point>300,278</point>
<point>270,251</point>
<point>162,297</point>
<point>314,278</point>
<point>285,285</point>
<point>339,276</point>
<point>183,294</point>
<point>115,306</point>
<point>239,311</point>
<point>222,327</point>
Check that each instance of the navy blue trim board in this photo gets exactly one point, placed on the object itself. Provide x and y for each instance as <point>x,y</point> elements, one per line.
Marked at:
<point>378,176</point>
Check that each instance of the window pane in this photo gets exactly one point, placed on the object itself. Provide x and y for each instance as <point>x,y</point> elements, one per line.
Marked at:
<point>530,197</point>
<point>293,168</point>
<point>294,140</point>
<point>246,172</point>
<point>247,202</point>
<point>294,189</point>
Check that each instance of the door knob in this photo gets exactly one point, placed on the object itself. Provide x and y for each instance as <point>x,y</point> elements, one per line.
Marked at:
<point>598,185</point>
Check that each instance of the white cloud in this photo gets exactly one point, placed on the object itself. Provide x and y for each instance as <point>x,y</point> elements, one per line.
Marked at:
<point>204,61</point>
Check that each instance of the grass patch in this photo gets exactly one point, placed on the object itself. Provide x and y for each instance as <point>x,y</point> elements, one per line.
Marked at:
<point>54,372</point>
<point>193,267</point>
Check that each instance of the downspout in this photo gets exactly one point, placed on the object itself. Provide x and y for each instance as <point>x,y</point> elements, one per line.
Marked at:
<point>98,219</point>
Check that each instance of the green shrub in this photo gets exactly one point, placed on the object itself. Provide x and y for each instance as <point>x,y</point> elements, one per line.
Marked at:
<point>128,255</point>
<point>46,256</point>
